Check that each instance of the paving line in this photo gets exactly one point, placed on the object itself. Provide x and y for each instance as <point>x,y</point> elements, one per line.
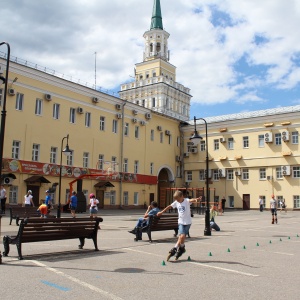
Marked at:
<point>82,283</point>
<point>200,264</point>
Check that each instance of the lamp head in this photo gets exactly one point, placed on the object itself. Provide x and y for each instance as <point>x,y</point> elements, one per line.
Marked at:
<point>196,138</point>
<point>67,151</point>
<point>2,80</point>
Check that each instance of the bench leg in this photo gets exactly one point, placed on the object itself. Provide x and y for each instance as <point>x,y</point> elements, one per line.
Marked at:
<point>10,220</point>
<point>176,231</point>
<point>19,248</point>
<point>149,235</point>
<point>6,246</point>
<point>81,243</point>
<point>17,221</point>
<point>95,243</point>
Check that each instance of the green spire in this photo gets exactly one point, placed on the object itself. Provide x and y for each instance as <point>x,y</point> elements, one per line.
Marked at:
<point>156,21</point>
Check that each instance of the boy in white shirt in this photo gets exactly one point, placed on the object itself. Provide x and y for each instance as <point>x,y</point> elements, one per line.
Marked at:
<point>184,221</point>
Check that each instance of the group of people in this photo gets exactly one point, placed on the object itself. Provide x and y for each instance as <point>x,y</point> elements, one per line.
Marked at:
<point>182,204</point>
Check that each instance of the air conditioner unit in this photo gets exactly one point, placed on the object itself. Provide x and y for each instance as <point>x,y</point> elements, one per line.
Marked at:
<point>95,99</point>
<point>269,177</point>
<point>209,173</point>
<point>8,180</point>
<point>194,150</point>
<point>168,132</point>
<point>222,173</point>
<point>159,128</point>
<point>222,140</point>
<point>48,97</point>
<point>119,116</point>
<point>268,137</point>
<point>148,116</point>
<point>134,120</point>
<point>178,158</point>
<point>285,136</point>
<point>143,123</point>
<point>80,110</point>
<point>286,170</point>
<point>237,173</point>
<point>186,154</point>
<point>118,106</point>
<point>135,112</point>
<point>11,92</point>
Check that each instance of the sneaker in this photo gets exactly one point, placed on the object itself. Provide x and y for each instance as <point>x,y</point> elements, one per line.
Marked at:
<point>172,252</point>
<point>276,221</point>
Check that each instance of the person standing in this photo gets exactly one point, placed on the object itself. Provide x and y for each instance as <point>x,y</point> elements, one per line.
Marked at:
<point>261,203</point>
<point>48,200</point>
<point>212,217</point>
<point>284,205</point>
<point>273,208</point>
<point>223,204</point>
<point>184,221</point>
<point>28,199</point>
<point>73,204</point>
<point>93,206</point>
<point>2,198</point>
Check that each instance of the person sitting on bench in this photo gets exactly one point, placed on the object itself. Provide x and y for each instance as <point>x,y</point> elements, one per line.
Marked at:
<point>142,222</point>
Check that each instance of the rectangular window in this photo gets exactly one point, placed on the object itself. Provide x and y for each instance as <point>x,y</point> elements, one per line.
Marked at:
<point>151,168</point>
<point>153,102</point>
<point>136,198</point>
<point>264,200</point>
<point>100,163</point>
<point>19,101</point>
<point>161,137</point>
<point>230,144</point>
<point>112,198</point>
<point>70,159</point>
<point>202,146</point>
<point>115,126</point>
<point>296,172</point>
<point>245,142</point>
<point>53,155</point>
<point>231,201</point>
<point>85,161</point>
<point>72,115</point>
<point>38,107</point>
<point>262,174</point>
<point>87,120</point>
<point>201,175</point>
<point>16,146</point>
<point>136,132</point>
<point>216,174</point>
<point>125,165</point>
<point>277,138</point>
<point>296,200</point>
<point>56,111</point>
<point>189,176</point>
<point>125,198</point>
<point>216,144</point>
<point>13,195</point>
<point>126,129</point>
<point>261,141</point>
<point>102,123</point>
<point>178,172</point>
<point>245,174</point>
<point>35,152</point>
<point>295,138</point>
<point>230,174</point>
<point>178,141</point>
<point>152,135</point>
<point>136,167</point>
<point>279,173</point>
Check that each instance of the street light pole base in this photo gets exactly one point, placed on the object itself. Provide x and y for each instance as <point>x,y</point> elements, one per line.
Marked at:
<point>207,232</point>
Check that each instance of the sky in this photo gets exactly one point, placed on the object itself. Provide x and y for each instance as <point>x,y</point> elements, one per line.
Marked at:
<point>234,55</point>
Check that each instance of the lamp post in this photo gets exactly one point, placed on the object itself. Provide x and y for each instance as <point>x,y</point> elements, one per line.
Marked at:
<point>3,113</point>
<point>66,151</point>
<point>197,138</point>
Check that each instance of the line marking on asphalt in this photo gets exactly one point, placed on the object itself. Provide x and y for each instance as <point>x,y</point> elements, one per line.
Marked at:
<point>199,264</point>
<point>283,253</point>
<point>82,283</point>
<point>56,286</point>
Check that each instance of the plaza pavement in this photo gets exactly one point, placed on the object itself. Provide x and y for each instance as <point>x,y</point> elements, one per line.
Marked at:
<point>248,259</point>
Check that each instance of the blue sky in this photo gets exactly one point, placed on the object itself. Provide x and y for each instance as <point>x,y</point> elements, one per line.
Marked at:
<point>235,56</point>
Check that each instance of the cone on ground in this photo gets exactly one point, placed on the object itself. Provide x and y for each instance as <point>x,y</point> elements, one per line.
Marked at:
<point>270,242</point>
<point>289,238</point>
<point>228,250</point>
<point>280,240</point>
<point>244,247</point>
<point>189,258</point>
<point>297,235</point>
<point>257,244</point>
<point>209,254</point>
<point>163,263</point>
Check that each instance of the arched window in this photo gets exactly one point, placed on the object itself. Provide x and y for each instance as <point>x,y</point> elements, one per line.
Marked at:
<point>158,48</point>
<point>151,47</point>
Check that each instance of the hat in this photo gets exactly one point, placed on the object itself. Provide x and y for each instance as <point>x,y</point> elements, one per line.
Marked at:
<point>30,191</point>
<point>47,191</point>
<point>92,195</point>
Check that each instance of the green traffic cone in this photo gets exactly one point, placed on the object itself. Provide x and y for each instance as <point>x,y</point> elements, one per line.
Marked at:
<point>280,240</point>
<point>228,250</point>
<point>270,242</point>
<point>289,238</point>
<point>189,258</point>
<point>297,235</point>
<point>257,244</point>
<point>163,263</point>
<point>209,254</point>
<point>244,247</point>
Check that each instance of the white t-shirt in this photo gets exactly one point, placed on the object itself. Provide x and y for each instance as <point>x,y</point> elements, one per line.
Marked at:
<point>184,211</point>
<point>273,203</point>
<point>94,202</point>
<point>28,199</point>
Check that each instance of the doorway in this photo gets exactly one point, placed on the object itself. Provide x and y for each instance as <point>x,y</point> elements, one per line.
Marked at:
<point>100,197</point>
<point>246,201</point>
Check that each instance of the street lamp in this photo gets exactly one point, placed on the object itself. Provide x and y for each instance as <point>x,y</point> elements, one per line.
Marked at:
<point>67,151</point>
<point>3,113</point>
<point>196,137</point>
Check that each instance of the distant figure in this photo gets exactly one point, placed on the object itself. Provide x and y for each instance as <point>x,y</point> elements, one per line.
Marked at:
<point>2,198</point>
<point>273,208</point>
<point>212,216</point>
<point>48,200</point>
<point>283,205</point>
<point>28,199</point>
<point>73,204</point>
<point>223,200</point>
<point>93,206</point>
<point>261,203</point>
<point>43,209</point>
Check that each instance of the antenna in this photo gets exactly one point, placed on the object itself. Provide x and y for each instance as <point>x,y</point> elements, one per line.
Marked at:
<point>95,70</point>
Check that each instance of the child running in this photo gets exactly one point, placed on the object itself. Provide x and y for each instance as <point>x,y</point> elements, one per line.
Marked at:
<point>184,221</point>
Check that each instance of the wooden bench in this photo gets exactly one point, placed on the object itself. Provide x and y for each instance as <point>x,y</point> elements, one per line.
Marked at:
<point>19,212</point>
<point>164,222</point>
<point>43,229</point>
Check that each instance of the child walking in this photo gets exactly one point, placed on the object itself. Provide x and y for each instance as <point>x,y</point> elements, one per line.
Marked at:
<point>184,221</point>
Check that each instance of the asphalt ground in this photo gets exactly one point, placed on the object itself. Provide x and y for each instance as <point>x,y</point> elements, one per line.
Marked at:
<point>248,259</point>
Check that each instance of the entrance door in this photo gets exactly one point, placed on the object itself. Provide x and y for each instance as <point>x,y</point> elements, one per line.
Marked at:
<point>246,201</point>
<point>100,197</point>
<point>35,194</point>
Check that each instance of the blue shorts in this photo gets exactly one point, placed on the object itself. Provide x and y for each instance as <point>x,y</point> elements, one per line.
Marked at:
<point>183,229</point>
<point>93,211</point>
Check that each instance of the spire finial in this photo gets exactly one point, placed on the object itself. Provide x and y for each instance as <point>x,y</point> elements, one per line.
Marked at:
<point>156,21</point>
